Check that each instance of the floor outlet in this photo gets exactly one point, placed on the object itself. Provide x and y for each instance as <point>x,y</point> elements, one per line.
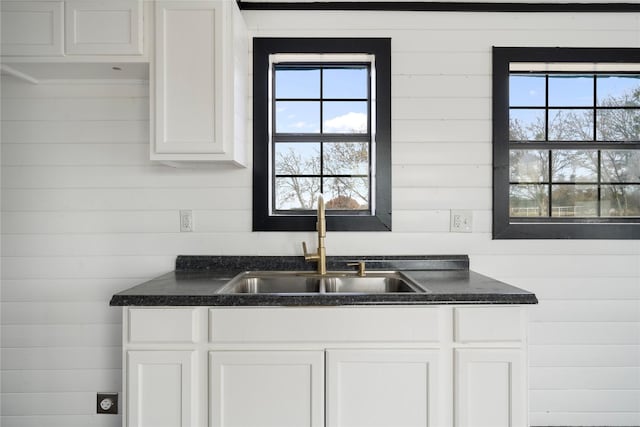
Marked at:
<point>107,403</point>
<point>186,221</point>
<point>461,221</point>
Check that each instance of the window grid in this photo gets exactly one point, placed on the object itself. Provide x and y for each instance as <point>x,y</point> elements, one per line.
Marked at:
<point>577,145</point>
<point>321,137</point>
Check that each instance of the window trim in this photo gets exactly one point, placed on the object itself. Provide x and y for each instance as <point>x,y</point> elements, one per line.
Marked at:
<point>263,48</point>
<point>505,227</point>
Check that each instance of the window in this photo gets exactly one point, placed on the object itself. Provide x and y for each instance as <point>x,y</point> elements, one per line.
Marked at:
<point>566,137</point>
<point>322,124</point>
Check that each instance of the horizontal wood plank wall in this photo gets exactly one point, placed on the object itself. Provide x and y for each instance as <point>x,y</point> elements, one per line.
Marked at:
<point>86,214</point>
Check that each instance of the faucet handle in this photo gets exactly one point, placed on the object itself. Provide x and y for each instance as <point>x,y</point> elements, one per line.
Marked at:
<point>307,255</point>
<point>361,267</point>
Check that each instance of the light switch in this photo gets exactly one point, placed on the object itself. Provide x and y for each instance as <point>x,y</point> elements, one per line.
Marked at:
<point>186,221</point>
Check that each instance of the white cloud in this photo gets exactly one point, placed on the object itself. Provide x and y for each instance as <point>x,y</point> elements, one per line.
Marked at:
<point>299,125</point>
<point>347,123</point>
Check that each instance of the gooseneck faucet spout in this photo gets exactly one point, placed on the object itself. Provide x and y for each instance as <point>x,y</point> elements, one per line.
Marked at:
<point>321,226</point>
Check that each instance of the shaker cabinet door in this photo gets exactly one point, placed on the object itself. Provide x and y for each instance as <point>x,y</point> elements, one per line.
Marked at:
<point>32,28</point>
<point>161,389</point>
<point>98,27</point>
<point>266,388</point>
<point>187,77</point>
<point>382,388</point>
<point>490,388</point>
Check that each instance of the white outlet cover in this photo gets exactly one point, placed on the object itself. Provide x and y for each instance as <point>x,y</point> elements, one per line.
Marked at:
<point>461,221</point>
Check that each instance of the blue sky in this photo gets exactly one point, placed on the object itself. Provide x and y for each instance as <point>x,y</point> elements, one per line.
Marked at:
<point>567,91</point>
<point>304,116</point>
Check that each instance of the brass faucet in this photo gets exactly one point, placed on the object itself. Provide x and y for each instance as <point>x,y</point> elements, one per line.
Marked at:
<point>321,226</point>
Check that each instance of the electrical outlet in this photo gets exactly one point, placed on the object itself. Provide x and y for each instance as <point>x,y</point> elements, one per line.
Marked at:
<point>107,403</point>
<point>461,221</point>
<point>186,221</point>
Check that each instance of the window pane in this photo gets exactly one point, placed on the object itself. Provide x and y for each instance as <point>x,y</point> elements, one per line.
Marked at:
<point>618,91</point>
<point>574,200</point>
<point>621,166</point>
<point>621,200</point>
<point>346,158</point>
<point>300,83</point>
<point>570,90</point>
<point>529,165</point>
<point>574,166</point>
<point>618,125</point>
<point>297,158</point>
<point>297,117</point>
<point>570,125</point>
<point>526,125</point>
<point>528,200</point>
<point>296,193</point>
<point>345,83</point>
<point>345,117</point>
<point>527,91</point>
<point>346,193</point>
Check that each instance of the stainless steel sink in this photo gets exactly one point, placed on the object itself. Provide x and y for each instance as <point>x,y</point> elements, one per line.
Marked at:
<point>271,283</point>
<point>287,282</point>
<point>371,284</point>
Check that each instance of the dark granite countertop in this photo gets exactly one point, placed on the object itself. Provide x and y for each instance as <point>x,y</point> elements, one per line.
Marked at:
<point>197,279</point>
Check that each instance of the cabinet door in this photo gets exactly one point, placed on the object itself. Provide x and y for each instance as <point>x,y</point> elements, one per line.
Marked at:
<point>32,28</point>
<point>161,389</point>
<point>392,388</point>
<point>266,388</point>
<point>187,77</point>
<point>490,388</point>
<point>98,27</point>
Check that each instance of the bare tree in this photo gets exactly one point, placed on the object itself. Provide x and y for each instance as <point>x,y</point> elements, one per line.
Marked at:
<point>347,159</point>
<point>339,159</point>
<point>617,167</point>
<point>296,190</point>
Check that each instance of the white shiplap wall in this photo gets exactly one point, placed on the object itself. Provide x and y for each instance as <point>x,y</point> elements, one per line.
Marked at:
<point>85,214</point>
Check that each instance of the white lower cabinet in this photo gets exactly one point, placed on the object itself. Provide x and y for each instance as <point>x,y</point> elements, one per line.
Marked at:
<point>490,388</point>
<point>161,388</point>
<point>382,388</point>
<point>462,366</point>
<point>266,388</point>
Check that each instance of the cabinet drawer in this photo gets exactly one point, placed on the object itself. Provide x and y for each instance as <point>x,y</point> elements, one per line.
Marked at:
<point>323,324</point>
<point>162,325</point>
<point>488,324</point>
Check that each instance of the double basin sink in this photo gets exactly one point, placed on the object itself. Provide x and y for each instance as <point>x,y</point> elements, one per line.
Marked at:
<point>287,282</point>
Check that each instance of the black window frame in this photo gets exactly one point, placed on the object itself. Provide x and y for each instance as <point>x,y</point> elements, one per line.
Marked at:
<point>506,227</point>
<point>337,220</point>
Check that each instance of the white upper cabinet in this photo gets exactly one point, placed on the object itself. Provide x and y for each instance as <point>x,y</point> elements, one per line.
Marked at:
<point>101,27</point>
<point>198,80</point>
<point>59,31</point>
<point>32,28</point>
